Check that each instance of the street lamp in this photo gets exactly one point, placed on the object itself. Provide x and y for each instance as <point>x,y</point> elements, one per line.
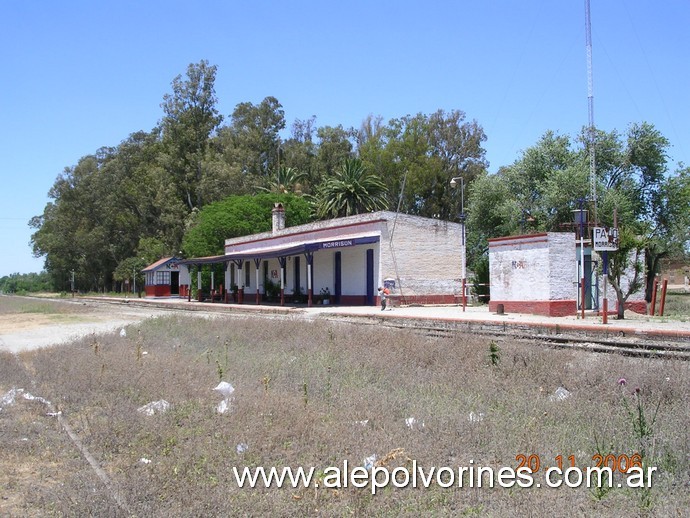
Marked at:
<point>463,244</point>
<point>580,218</point>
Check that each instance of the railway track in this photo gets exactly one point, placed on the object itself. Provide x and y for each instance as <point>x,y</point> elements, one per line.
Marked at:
<point>646,346</point>
<point>630,346</point>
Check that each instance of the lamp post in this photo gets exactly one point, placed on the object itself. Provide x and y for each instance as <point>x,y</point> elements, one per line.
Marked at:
<point>580,216</point>
<point>463,244</point>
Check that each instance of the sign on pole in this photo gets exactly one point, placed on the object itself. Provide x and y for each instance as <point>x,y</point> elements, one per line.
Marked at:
<point>605,238</point>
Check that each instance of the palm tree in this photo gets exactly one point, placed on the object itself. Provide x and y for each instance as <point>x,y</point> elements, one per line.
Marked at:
<point>352,190</point>
<point>287,179</point>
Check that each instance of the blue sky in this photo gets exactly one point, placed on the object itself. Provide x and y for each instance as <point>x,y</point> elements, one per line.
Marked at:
<point>80,75</point>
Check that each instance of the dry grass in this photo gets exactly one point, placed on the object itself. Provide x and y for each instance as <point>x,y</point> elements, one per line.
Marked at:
<point>301,390</point>
<point>17,305</point>
<point>677,305</point>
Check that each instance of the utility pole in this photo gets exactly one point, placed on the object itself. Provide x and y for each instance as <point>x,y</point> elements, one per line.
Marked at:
<point>463,243</point>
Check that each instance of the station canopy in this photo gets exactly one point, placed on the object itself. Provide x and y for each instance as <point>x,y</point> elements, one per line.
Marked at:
<point>286,249</point>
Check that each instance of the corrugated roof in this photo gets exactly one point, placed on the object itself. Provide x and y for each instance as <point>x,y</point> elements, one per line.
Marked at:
<point>158,264</point>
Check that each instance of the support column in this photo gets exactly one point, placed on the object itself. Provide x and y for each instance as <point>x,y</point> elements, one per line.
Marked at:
<point>212,285</point>
<point>240,282</point>
<point>664,285</point>
<point>310,288</point>
<point>189,286</point>
<point>257,263</point>
<point>653,304</point>
<point>198,284</point>
<point>225,281</point>
<point>282,261</point>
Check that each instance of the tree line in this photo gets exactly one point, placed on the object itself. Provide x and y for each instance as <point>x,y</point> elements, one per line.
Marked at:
<point>125,206</point>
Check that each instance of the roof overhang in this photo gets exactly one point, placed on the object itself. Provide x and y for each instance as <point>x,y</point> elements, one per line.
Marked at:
<point>287,249</point>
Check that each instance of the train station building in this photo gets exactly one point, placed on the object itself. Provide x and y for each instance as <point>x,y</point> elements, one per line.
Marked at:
<point>339,261</point>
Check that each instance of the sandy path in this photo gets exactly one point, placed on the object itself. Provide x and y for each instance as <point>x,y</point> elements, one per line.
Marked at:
<point>24,332</point>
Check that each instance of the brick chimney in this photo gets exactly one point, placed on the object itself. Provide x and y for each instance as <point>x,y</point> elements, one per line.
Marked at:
<point>278,213</point>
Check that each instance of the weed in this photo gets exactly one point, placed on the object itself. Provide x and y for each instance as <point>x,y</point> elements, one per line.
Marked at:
<point>643,427</point>
<point>305,394</point>
<point>494,353</point>
<point>599,492</point>
<point>642,422</point>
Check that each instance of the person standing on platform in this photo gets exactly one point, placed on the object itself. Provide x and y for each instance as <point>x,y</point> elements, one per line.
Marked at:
<point>383,293</point>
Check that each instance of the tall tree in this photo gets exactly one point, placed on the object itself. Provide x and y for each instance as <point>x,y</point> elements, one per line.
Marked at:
<point>190,119</point>
<point>101,208</point>
<point>250,143</point>
<point>334,148</point>
<point>300,152</point>
<point>424,152</point>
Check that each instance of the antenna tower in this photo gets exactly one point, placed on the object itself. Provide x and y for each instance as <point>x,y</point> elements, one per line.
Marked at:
<point>590,109</point>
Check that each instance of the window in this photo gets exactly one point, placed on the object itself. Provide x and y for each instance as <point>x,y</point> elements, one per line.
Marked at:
<point>162,278</point>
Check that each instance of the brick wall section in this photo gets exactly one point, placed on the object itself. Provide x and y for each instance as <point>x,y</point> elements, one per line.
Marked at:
<point>427,254</point>
<point>534,273</point>
<point>537,267</point>
<point>562,267</point>
<point>538,274</point>
<point>549,308</point>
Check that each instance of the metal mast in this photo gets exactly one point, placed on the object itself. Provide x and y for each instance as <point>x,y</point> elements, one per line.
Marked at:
<point>590,107</point>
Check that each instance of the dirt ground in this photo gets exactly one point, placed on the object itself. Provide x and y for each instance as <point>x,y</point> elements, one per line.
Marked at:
<point>35,448</point>
<point>28,331</point>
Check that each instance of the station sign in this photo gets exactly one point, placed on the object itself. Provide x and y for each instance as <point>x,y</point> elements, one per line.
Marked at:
<point>605,239</point>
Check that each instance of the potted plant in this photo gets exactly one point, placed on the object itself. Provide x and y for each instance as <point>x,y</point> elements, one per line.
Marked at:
<point>325,296</point>
<point>272,290</point>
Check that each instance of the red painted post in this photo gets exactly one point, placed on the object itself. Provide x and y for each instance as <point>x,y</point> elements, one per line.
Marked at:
<point>258,296</point>
<point>653,305</point>
<point>663,297</point>
<point>282,296</point>
<point>606,311</point>
<point>464,299</point>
